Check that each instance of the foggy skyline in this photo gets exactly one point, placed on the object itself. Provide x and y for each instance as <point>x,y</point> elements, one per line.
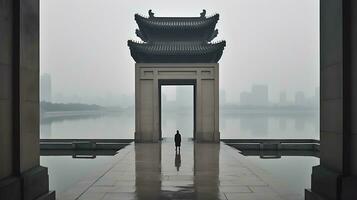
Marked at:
<point>269,42</point>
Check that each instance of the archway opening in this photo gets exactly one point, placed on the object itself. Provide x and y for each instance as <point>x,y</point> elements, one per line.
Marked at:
<point>177,110</point>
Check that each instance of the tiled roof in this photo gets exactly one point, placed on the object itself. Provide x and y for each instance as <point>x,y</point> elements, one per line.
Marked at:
<point>176,39</point>
<point>178,51</point>
<point>176,28</point>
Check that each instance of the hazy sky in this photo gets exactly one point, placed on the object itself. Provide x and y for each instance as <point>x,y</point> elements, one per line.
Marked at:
<point>273,42</point>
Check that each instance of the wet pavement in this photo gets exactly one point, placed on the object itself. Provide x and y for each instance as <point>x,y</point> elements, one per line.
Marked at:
<point>200,171</point>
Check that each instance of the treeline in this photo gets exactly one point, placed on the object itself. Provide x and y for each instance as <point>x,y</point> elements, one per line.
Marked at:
<point>52,107</point>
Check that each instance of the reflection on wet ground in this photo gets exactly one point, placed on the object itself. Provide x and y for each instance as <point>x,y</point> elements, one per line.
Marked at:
<point>200,171</point>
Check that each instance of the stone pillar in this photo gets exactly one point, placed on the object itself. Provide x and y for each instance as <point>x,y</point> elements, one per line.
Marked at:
<point>336,176</point>
<point>21,176</point>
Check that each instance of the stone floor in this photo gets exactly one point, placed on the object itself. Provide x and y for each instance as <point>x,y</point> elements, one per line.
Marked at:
<point>200,171</point>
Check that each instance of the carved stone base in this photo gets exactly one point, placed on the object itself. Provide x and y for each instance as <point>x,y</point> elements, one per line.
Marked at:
<point>35,184</point>
<point>32,185</point>
<point>10,188</point>
<point>309,195</point>
<point>51,195</point>
<point>349,188</point>
<point>327,184</point>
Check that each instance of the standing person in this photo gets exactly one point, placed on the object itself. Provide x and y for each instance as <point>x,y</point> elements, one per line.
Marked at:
<point>177,140</point>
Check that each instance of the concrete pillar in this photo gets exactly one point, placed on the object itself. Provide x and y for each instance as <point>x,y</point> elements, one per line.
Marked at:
<point>336,176</point>
<point>21,176</point>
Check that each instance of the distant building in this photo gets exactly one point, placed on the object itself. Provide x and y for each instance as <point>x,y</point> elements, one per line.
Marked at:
<point>260,95</point>
<point>300,99</point>
<point>283,99</point>
<point>245,98</point>
<point>257,97</point>
<point>46,88</point>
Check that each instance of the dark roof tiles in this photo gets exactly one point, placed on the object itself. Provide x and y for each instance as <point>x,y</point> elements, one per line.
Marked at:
<point>176,39</point>
<point>197,51</point>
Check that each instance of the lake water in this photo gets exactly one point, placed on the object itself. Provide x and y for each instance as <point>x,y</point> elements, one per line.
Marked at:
<point>237,125</point>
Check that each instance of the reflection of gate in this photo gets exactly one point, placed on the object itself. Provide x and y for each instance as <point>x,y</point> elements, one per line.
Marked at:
<point>148,81</point>
<point>176,51</point>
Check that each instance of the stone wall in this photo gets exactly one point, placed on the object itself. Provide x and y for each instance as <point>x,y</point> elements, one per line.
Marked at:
<point>6,62</point>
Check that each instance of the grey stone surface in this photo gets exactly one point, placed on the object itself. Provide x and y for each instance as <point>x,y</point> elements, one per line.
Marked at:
<point>325,182</point>
<point>10,188</point>
<point>326,178</point>
<point>29,153</point>
<point>30,117</point>
<point>29,85</point>
<point>29,130</point>
<point>6,32</point>
<point>5,88</point>
<point>29,35</point>
<point>309,195</point>
<point>206,171</point>
<point>349,191</point>
<point>331,79</point>
<point>5,82</point>
<point>331,116</point>
<point>354,108</point>
<point>51,195</point>
<point>354,154</point>
<point>331,150</point>
<point>354,74</point>
<point>35,183</point>
<point>331,47</point>
<point>5,138</point>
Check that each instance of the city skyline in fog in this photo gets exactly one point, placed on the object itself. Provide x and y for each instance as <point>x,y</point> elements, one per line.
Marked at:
<point>182,96</point>
<point>269,42</point>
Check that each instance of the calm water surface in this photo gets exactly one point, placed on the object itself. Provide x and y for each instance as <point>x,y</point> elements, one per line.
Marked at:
<point>65,171</point>
<point>232,125</point>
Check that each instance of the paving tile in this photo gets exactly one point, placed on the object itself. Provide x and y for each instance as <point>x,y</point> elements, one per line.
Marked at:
<point>119,196</point>
<point>251,196</point>
<point>150,171</point>
<point>92,196</point>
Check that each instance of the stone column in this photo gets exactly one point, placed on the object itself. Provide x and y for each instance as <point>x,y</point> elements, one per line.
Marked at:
<point>207,105</point>
<point>336,176</point>
<point>21,176</point>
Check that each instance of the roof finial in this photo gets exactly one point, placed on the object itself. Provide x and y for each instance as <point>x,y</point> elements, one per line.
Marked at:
<point>203,13</point>
<point>151,14</point>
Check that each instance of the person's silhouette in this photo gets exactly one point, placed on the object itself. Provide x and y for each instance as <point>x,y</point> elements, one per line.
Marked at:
<point>177,140</point>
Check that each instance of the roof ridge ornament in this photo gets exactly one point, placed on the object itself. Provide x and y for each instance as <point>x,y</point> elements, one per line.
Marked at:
<point>203,13</point>
<point>151,14</point>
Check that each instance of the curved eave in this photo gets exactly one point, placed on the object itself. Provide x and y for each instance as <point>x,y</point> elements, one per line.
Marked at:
<point>176,52</point>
